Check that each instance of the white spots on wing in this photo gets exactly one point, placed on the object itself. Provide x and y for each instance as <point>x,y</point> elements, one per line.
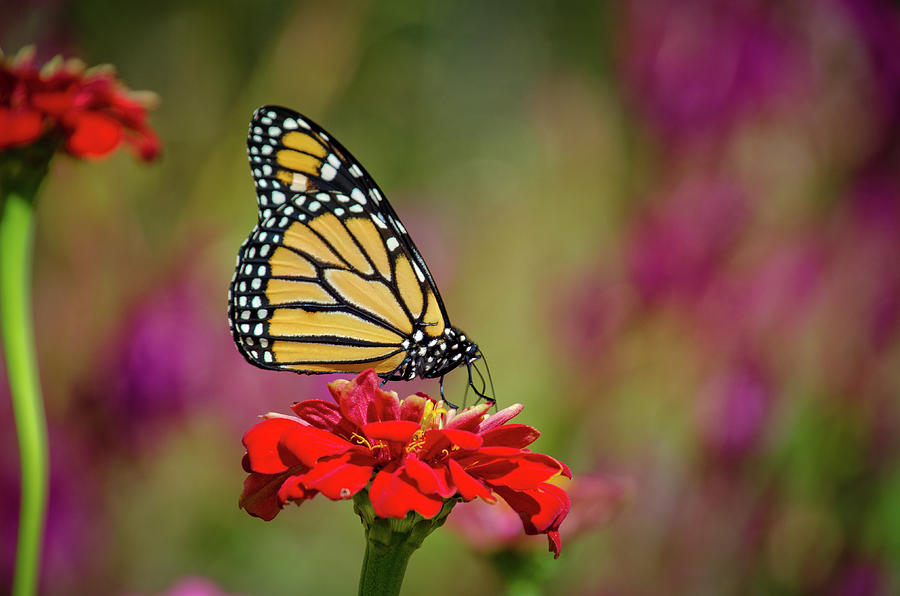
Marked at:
<point>245,328</point>
<point>342,198</point>
<point>298,182</point>
<point>376,196</point>
<point>338,211</point>
<point>266,149</point>
<point>264,250</point>
<point>358,196</point>
<point>399,225</point>
<point>334,161</point>
<point>379,222</point>
<point>288,210</point>
<point>258,330</point>
<point>264,343</point>
<point>278,197</point>
<point>256,283</point>
<point>289,124</point>
<point>324,137</point>
<point>257,130</point>
<point>418,335</point>
<point>354,208</point>
<point>254,150</point>
<point>242,301</point>
<point>267,169</point>
<point>392,243</point>
<point>418,271</point>
<point>314,206</point>
<point>303,123</point>
<point>327,172</point>
<point>257,302</point>
<point>355,171</point>
<point>274,131</point>
<point>299,200</point>
<point>267,356</point>
<point>267,121</point>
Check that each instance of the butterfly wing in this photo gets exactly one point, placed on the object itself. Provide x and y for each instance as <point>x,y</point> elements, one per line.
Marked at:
<point>329,280</point>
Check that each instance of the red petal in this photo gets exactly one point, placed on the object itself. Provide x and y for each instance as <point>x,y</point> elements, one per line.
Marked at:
<point>511,435</point>
<point>310,444</point>
<point>340,477</point>
<point>93,134</point>
<point>292,489</point>
<point>55,103</point>
<point>526,470</point>
<point>541,509</point>
<point>262,443</point>
<point>468,487</point>
<point>391,496</point>
<point>400,430</point>
<point>19,127</point>
<point>428,480</point>
<point>462,438</point>
<point>260,496</point>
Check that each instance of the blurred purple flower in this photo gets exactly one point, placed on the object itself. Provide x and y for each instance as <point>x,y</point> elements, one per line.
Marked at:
<point>736,406</point>
<point>677,247</point>
<point>761,306</point>
<point>195,586</point>
<point>858,577</point>
<point>170,358</point>
<point>696,67</point>
<point>588,317</point>
<point>877,23</point>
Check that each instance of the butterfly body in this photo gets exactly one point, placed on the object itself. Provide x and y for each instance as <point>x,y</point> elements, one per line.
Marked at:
<point>329,280</point>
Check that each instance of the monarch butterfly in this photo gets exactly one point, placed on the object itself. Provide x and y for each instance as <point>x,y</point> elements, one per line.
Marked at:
<point>329,280</point>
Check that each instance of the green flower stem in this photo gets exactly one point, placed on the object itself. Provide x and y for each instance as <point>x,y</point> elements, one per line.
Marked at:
<point>390,543</point>
<point>16,239</point>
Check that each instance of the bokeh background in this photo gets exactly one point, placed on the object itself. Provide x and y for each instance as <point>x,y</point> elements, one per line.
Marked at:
<point>674,228</point>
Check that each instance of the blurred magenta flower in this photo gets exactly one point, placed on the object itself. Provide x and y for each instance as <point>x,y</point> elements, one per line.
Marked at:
<point>678,245</point>
<point>195,586</point>
<point>697,67</point>
<point>90,111</point>
<point>167,358</point>
<point>736,409</point>
<point>596,501</point>
<point>411,455</point>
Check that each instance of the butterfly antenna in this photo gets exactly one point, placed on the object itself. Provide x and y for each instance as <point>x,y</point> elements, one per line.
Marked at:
<point>487,367</point>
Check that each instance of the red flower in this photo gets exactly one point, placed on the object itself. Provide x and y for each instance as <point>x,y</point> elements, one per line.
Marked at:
<point>415,453</point>
<point>90,110</point>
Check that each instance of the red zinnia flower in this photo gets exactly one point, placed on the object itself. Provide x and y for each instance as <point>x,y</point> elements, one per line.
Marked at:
<point>90,110</point>
<point>413,454</point>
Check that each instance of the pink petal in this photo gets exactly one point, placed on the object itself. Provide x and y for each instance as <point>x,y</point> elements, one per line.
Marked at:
<point>469,418</point>
<point>319,413</point>
<point>501,417</point>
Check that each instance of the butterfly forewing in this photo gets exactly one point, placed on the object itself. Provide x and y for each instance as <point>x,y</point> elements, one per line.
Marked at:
<point>329,280</point>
